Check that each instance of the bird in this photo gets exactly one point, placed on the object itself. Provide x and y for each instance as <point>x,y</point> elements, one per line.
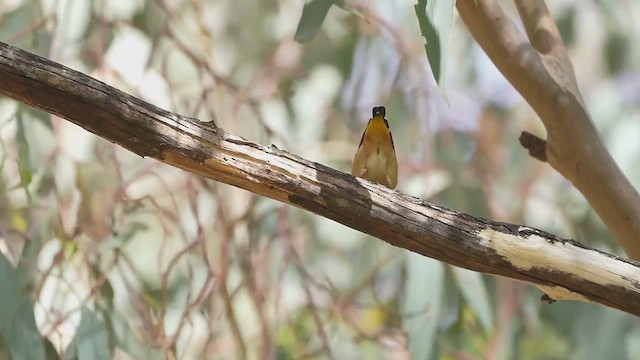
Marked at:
<point>375,158</point>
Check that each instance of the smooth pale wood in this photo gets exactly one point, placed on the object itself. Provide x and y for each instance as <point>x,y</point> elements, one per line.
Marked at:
<point>566,269</point>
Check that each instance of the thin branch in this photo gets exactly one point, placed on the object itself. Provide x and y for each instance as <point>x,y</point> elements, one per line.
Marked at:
<point>541,28</point>
<point>565,269</point>
<point>233,319</point>
<point>544,76</point>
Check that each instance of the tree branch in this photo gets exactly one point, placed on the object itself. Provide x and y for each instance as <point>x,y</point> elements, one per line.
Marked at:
<point>563,268</point>
<point>544,76</point>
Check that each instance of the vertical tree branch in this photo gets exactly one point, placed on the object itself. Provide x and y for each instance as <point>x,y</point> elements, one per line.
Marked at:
<point>541,71</point>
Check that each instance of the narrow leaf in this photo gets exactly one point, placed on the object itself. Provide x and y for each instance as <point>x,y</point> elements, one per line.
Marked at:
<point>17,321</point>
<point>313,15</point>
<point>423,300</point>
<point>473,288</point>
<point>435,18</point>
<point>92,338</point>
<point>24,154</point>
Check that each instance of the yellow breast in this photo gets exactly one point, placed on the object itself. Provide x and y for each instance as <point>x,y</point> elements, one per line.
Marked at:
<point>375,159</point>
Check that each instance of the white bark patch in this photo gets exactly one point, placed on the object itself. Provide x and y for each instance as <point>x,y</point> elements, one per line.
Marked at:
<point>560,293</point>
<point>535,251</point>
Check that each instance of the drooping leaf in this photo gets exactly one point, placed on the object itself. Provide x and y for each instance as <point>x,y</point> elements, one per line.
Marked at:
<point>475,293</point>
<point>24,154</point>
<point>127,340</point>
<point>423,300</point>
<point>313,15</point>
<point>435,18</point>
<point>600,335</point>
<point>92,339</point>
<point>17,321</point>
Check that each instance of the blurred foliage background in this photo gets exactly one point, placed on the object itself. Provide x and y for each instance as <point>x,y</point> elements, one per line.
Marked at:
<point>104,254</point>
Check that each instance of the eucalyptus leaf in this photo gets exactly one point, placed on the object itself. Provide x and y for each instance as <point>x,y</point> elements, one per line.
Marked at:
<point>17,321</point>
<point>436,18</point>
<point>423,303</point>
<point>600,333</point>
<point>24,155</point>
<point>92,339</point>
<point>473,288</point>
<point>313,15</point>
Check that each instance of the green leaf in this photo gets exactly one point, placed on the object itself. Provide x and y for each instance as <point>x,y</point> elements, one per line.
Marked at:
<point>14,21</point>
<point>50,350</point>
<point>26,340</point>
<point>473,288</point>
<point>632,338</point>
<point>423,301</point>
<point>92,339</point>
<point>127,340</point>
<point>313,15</point>
<point>133,229</point>
<point>17,321</point>
<point>435,18</point>
<point>24,157</point>
<point>601,335</point>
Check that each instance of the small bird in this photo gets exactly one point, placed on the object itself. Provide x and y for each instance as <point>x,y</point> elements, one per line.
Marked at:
<point>375,159</point>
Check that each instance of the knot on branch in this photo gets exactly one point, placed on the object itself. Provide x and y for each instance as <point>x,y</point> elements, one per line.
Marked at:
<point>546,298</point>
<point>536,146</point>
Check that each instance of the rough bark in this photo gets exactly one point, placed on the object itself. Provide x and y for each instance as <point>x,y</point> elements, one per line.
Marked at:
<point>564,269</point>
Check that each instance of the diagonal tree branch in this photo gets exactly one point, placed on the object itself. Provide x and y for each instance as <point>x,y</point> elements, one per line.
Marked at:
<point>543,74</point>
<point>563,268</point>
